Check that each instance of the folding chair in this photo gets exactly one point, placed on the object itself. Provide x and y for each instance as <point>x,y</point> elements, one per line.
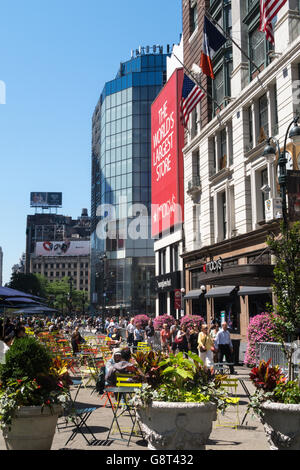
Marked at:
<point>143,346</point>
<point>231,385</point>
<point>78,418</point>
<point>124,381</point>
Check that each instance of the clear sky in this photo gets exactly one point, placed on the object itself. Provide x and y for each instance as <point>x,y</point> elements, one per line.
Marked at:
<point>55,57</point>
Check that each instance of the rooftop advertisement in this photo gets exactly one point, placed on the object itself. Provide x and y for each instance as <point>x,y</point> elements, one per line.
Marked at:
<point>167,139</point>
<point>66,248</point>
<point>45,200</point>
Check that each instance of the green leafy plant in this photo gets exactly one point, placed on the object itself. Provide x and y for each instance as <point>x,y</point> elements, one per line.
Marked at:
<point>31,377</point>
<point>272,385</point>
<point>148,366</point>
<point>178,378</point>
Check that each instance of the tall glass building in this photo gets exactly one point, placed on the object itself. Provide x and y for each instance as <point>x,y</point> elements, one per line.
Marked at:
<point>122,266</point>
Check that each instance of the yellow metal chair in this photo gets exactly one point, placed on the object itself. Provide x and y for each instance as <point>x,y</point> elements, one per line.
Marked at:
<point>125,380</point>
<point>230,385</point>
<point>143,346</point>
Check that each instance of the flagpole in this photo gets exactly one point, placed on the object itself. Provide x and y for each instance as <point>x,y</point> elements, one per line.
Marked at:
<point>196,80</point>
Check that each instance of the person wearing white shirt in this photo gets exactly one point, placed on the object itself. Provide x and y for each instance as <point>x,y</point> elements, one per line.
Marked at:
<point>4,347</point>
<point>130,332</point>
<point>224,346</point>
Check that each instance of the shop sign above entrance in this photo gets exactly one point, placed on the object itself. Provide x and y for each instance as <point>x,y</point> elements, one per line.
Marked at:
<point>213,266</point>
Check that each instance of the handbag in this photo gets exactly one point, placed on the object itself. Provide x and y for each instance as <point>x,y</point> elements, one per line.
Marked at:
<point>178,340</point>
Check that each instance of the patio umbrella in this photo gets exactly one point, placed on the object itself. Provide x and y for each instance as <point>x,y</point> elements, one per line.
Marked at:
<point>8,292</point>
<point>11,298</point>
<point>36,309</point>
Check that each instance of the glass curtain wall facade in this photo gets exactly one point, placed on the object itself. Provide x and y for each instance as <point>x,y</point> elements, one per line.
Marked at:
<point>122,268</point>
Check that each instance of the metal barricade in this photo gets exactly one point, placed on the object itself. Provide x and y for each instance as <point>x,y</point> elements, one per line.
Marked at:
<point>274,351</point>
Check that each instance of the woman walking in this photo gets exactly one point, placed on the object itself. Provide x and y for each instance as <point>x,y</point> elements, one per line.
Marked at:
<point>205,345</point>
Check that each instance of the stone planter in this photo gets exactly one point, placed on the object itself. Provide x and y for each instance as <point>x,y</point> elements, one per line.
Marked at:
<point>282,425</point>
<point>32,428</point>
<point>177,426</point>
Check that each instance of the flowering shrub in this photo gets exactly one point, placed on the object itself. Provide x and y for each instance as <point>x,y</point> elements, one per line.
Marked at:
<point>31,377</point>
<point>189,320</point>
<point>159,321</point>
<point>260,329</point>
<point>141,320</point>
<point>177,378</point>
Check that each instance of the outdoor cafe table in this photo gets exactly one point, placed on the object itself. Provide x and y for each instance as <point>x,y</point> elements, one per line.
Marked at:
<point>118,411</point>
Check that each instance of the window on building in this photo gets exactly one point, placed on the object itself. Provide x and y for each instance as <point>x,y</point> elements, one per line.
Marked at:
<point>162,261</point>
<point>275,109</point>
<point>257,48</point>
<point>194,122</point>
<point>195,163</point>
<point>219,87</point>
<point>250,128</point>
<point>224,214</point>
<point>265,195</point>
<point>263,118</point>
<point>223,149</point>
<point>193,16</point>
<point>174,258</point>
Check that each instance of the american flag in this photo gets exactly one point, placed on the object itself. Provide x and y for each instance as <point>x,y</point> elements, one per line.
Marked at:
<point>268,10</point>
<point>190,97</point>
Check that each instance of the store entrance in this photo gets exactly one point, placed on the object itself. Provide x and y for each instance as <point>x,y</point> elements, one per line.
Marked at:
<point>228,309</point>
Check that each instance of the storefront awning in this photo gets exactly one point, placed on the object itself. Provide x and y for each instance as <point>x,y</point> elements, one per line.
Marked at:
<point>248,290</point>
<point>193,294</point>
<point>222,291</point>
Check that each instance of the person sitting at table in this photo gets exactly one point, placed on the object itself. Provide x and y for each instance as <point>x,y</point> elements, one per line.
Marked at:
<point>115,337</point>
<point>76,340</point>
<point>116,357</point>
<point>124,366</point>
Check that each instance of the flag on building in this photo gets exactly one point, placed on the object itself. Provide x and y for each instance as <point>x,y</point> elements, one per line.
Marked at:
<point>190,97</point>
<point>213,40</point>
<point>268,10</point>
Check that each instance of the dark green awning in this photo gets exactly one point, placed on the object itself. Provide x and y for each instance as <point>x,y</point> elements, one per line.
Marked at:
<point>222,291</point>
<point>249,290</point>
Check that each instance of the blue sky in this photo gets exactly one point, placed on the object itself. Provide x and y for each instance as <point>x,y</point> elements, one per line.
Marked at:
<point>55,57</point>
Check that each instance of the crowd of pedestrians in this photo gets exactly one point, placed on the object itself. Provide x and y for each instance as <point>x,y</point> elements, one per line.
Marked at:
<point>212,344</point>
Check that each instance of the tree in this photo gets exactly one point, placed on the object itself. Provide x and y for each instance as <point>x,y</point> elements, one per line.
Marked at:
<point>286,287</point>
<point>28,283</point>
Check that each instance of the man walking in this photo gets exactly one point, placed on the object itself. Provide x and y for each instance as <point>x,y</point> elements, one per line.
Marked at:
<point>224,346</point>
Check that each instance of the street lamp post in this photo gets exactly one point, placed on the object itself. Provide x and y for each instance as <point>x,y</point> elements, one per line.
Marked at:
<point>270,152</point>
<point>70,294</point>
<point>102,258</point>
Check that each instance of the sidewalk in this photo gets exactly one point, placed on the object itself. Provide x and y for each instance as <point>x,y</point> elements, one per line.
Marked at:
<point>248,437</point>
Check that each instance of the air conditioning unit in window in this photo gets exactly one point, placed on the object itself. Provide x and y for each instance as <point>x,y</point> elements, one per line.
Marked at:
<point>273,209</point>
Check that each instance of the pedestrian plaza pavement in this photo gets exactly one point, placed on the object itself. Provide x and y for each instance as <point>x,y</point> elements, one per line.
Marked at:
<point>249,436</point>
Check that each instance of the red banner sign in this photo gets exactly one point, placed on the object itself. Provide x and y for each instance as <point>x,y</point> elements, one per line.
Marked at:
<point>167,140</point>
<point>177,299</point>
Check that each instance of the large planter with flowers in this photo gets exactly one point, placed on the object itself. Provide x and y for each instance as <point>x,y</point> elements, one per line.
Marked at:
<point>33,388</point>
<point>276,402</point>
<point>32,428</point>
<point>178,400</point>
